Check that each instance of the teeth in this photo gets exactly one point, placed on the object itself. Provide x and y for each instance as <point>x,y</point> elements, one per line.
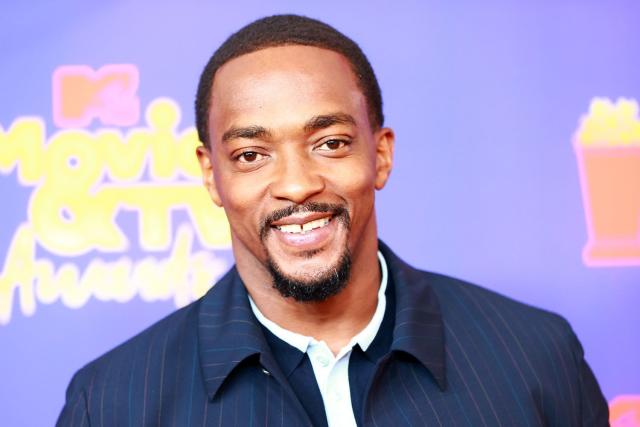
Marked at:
<point>315,224</point>
<point>291,228</point>
<point>311,225</point>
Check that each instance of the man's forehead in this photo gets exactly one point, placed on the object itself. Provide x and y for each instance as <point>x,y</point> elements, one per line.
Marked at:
<point>287,78</point>
<point>306,63</point>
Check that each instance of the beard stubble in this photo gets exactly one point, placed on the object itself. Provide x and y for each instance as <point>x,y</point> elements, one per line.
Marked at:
<point>322,285</point>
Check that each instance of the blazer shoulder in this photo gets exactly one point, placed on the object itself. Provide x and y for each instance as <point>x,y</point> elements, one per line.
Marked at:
<point>114,370</point>
<point>168,346</point>
<point>540,339</point>
<point>457,293</point>
<point>468,307</point>
<point>167,332</point>
<point>464,304</point>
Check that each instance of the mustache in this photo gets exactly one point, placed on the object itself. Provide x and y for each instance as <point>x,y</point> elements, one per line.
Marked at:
<point>339,212</point>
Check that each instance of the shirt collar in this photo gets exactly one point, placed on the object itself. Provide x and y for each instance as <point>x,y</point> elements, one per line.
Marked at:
<point>418,329</point>
<point>228,332</point>
<point>364,338</point>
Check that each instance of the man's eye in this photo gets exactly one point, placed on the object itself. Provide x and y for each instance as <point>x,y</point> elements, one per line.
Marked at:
<point>249,157</point>
<point>332,145</point>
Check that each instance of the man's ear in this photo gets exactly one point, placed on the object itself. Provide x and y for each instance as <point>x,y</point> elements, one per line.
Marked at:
<point>209,181</point>
<point>385,139</point>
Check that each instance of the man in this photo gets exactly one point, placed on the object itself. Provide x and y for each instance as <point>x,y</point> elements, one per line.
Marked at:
<point>320,323</point>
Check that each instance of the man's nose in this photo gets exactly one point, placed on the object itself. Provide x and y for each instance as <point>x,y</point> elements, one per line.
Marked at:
<point>297,178</point>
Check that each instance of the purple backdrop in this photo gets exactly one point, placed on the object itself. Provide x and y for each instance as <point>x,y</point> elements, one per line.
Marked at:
<point>485,98</point>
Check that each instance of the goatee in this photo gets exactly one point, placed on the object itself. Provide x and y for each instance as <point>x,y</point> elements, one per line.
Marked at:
<point>316,289</point>
<point>313,288</point>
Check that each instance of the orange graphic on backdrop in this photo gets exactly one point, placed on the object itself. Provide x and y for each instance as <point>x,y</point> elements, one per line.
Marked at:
<point>607,146</point>
<point>624,411</point>
<point>81,94</point>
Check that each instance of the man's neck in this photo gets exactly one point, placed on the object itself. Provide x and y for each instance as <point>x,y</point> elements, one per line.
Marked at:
<point>335,320</point>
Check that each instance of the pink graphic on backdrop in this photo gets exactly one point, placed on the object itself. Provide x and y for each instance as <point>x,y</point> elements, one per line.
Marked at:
<point>81,94</point>
<point>624,411</point>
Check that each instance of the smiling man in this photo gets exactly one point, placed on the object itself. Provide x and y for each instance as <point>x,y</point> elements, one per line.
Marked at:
<point>294,156</point>
<point>320,323</point>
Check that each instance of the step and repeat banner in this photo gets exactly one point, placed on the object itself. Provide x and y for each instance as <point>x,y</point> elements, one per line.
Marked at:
<point>517,167</point>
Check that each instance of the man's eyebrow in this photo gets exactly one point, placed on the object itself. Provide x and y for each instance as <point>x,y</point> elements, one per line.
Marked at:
<point>249,132</point>
<point>325,120</point>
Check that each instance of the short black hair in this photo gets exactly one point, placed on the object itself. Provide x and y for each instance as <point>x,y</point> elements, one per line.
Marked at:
<point>281,30</point>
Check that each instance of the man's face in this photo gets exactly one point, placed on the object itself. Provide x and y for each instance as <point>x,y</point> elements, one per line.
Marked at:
<point>294,162</point>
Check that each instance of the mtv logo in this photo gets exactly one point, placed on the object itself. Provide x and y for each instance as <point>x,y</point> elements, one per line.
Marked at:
<point>81,94</point>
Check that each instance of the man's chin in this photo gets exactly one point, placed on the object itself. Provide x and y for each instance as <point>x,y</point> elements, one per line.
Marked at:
<point>313,264</point>
<point>315,281</point>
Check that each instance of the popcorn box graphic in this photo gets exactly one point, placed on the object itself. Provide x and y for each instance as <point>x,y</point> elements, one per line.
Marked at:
<point>607,146</point>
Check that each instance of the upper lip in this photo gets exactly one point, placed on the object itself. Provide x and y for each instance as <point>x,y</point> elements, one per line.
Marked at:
<point>301,218</point>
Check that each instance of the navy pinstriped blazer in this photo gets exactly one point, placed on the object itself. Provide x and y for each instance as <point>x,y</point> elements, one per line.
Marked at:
<point>461,355</point>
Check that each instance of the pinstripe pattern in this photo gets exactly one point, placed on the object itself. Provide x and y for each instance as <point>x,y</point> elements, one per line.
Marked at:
<point>461,355</point>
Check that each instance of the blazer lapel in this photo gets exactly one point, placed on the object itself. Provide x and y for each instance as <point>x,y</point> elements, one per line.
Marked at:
<point>229,333</point>
<point>419,329</point>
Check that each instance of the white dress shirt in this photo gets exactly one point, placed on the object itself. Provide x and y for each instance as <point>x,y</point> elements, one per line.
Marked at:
<point>332,372</point>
